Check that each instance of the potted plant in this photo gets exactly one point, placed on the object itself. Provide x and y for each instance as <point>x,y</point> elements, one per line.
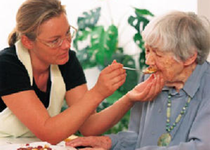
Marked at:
<point>101,48</point>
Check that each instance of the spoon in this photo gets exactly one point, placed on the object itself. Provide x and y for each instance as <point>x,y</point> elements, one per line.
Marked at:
<point>129,68</point>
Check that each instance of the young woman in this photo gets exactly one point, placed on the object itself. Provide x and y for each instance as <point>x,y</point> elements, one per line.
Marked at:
<point>38,71</point>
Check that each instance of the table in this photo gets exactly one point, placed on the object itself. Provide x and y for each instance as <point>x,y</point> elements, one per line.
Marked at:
<point>4,141</point>
<point>14,143</point>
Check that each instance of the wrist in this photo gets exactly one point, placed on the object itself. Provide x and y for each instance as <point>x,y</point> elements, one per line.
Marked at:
<point>97,94</point>
<point>107,142</point>
<point>127,100</point>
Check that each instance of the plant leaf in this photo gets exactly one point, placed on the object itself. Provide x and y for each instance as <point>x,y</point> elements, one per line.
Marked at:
<point>132,76</point>
<point>85,58</point>
<point>89,19</point>
<point>103,44</point>
<point>144,12</point>
<point>139,22</point>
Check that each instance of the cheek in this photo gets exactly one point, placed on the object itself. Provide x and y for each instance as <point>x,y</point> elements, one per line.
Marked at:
<point>166,66</point>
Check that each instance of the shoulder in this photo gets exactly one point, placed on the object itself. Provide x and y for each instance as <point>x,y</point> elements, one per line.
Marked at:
<point>72,53</point>
<point>8,53</point>
<point>206,73</point>
<point>8,58</point>
<point>13,75</point>
<point>204,84</point>
<point>72,57</point>
<point>207,68</point>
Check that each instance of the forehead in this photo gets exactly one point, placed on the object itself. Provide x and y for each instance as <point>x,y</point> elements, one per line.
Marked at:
<point>166,56</point>
<point>158,50</point>
<point>154,49</point>
<point>54,27</point>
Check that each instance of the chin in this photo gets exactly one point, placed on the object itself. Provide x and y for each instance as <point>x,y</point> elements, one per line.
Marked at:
<point>62,61</point>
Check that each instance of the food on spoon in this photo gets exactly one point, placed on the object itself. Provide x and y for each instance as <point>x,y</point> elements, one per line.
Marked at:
<point>149,70</point>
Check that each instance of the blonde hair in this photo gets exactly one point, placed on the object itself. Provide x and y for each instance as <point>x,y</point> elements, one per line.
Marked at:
<point>31,14</point>
<point>182,33</point>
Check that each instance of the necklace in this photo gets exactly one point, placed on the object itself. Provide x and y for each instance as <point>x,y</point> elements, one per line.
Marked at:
<point>165,139</point>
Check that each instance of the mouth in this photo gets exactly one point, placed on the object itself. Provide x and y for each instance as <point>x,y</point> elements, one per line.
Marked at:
<point>64,55</point>
<point>149,70</point>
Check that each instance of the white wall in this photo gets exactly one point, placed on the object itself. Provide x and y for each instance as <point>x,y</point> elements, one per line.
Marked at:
<point>8,10</point>
<point>203,9</point>
<point>113,11</point>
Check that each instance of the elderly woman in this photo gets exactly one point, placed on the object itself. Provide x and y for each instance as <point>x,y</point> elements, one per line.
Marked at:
<point>177,45</point>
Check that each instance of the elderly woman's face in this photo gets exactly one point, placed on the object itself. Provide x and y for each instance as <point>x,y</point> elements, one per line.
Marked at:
<point>165,62</point>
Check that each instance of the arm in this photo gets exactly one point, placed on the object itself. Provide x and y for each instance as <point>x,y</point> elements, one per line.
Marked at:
<point>127,141</point>
<point>98,123</point>
<point>198,138</point>
<point>31,112</point>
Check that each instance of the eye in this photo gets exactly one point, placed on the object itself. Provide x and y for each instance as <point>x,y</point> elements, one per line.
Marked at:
<point>55,41</point>
<point>158,55</point>
<point>68,32</point>
<point>147,50</point>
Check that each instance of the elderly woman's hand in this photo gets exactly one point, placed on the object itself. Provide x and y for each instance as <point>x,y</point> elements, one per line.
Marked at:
<point>93,149</point>
<point>147,90</point>
<point>110,79</point>
<point>91,143</point>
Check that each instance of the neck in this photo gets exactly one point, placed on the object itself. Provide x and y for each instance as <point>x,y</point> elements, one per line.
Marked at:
<point>41,75</point>
<point>182,78</point>
<point>38,66</point>
<point>40,70</point>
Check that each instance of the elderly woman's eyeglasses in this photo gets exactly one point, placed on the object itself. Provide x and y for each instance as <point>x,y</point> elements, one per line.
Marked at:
<point>58,42</point>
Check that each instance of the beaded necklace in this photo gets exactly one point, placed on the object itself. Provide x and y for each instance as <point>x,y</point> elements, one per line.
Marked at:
<point>165,138</point>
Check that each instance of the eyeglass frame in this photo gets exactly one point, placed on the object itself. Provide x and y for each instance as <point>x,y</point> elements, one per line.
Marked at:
<point>60,40</point>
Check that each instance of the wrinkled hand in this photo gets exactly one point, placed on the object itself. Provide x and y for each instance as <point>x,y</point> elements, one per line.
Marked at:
<point>92,149</point>
<point>110,79</point>
<point>94,142</point>
<point>147,90</point>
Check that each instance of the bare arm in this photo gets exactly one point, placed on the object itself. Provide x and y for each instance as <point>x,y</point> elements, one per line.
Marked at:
<point>144,91</point>
<point>98,123</point>
<point>31,112</point>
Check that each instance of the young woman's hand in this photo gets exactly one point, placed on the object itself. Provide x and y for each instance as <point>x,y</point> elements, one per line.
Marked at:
<point>110,79</point>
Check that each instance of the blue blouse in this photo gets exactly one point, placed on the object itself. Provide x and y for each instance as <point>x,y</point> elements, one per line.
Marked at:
<point>148,119</point>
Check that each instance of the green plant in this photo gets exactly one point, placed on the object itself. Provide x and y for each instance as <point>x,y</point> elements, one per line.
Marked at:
<point>102,48</point>
<point>139,21</point>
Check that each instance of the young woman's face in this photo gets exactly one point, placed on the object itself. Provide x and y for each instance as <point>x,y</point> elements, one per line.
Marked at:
<point>165,62</point>
<point>45,49</point>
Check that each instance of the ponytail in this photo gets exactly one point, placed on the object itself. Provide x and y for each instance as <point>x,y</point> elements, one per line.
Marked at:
<point>31,15</point>
<point>13,37</point>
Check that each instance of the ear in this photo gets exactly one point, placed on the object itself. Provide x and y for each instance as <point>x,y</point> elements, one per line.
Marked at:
<point>191,59</point>
<point>26,42</point>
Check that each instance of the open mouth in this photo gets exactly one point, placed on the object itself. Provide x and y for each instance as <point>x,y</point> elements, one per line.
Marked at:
<point>149,70</point>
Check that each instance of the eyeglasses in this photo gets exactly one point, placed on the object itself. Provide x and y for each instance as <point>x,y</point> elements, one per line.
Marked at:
<point>58,42</point>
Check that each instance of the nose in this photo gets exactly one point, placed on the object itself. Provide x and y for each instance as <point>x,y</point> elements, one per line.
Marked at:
<point>150,59</point>
<point>66,44</point>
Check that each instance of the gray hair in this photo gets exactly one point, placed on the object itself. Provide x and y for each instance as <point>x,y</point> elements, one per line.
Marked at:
<point>181,33</point>
<point>31,14</point>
